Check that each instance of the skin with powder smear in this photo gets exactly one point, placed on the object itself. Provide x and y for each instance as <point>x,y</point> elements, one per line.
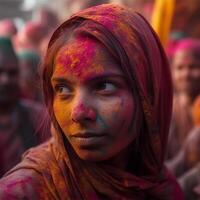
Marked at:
<point>92,102</point>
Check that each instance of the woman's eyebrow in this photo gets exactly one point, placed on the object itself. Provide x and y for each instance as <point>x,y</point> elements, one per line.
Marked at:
<point>59,80</point>
<point>90,78</point>
<point>105,76</point>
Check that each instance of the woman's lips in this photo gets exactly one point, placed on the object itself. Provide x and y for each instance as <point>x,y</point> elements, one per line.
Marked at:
<point>87,139</point>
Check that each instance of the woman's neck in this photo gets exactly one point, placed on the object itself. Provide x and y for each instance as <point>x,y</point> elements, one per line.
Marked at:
<point>122,159</point>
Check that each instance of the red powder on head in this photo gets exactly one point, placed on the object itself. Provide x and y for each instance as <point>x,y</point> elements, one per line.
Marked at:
<point>76,56</point>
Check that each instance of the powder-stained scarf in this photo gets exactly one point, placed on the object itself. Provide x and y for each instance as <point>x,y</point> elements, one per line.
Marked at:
<point>54,171</point>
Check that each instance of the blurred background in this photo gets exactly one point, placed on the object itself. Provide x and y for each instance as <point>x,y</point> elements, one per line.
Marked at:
<point>25,29</point>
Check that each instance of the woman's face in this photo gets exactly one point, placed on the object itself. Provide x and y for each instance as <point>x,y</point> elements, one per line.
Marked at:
<point>186,73</point>
<point>92,102</point>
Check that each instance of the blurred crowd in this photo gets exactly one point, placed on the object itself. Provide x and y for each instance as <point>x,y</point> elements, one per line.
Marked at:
<point>21,102</point>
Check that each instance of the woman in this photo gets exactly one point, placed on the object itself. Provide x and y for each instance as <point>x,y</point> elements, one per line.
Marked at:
<point>108,89</point>
<point>186,78</point>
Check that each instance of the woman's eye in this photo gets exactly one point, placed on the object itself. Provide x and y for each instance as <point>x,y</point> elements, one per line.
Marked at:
<point>62,90</point>
<point>106,88</point>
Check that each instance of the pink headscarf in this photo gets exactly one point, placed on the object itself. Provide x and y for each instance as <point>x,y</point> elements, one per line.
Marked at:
<point>188,44</point>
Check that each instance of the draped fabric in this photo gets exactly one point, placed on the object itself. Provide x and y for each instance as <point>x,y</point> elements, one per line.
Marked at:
<point>54,171</point>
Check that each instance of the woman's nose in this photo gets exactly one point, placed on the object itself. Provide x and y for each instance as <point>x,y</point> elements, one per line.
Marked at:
<point>83,112</point>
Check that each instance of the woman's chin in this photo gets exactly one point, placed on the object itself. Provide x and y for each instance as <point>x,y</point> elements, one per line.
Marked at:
<point>91,155</point>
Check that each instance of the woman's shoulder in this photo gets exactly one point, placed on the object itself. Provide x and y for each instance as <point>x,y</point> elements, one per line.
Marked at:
<point>21,184</point>
<point>38,157</point>
<point>25,180</point>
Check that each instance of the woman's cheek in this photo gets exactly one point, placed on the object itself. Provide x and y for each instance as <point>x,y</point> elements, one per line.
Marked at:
<point>62,114</point>
<point>119,113</point>
<point>109,112</point>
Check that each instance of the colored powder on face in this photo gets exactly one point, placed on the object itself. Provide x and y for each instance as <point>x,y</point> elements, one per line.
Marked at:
<point>79,57</point>
<point>101,122</point>
<point>63,115</point>
<point>119,106</point>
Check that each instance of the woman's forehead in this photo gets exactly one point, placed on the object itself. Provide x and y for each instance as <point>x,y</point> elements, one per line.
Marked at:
<point>81,56</point>
<point>82,47</point>
<point>76,50</point>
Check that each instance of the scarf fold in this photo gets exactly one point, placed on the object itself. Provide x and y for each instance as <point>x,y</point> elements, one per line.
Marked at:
<point>74,179</point>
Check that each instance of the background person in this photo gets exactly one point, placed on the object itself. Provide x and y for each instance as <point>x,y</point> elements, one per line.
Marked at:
<point>19,120</point>
<point>186,78</point>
